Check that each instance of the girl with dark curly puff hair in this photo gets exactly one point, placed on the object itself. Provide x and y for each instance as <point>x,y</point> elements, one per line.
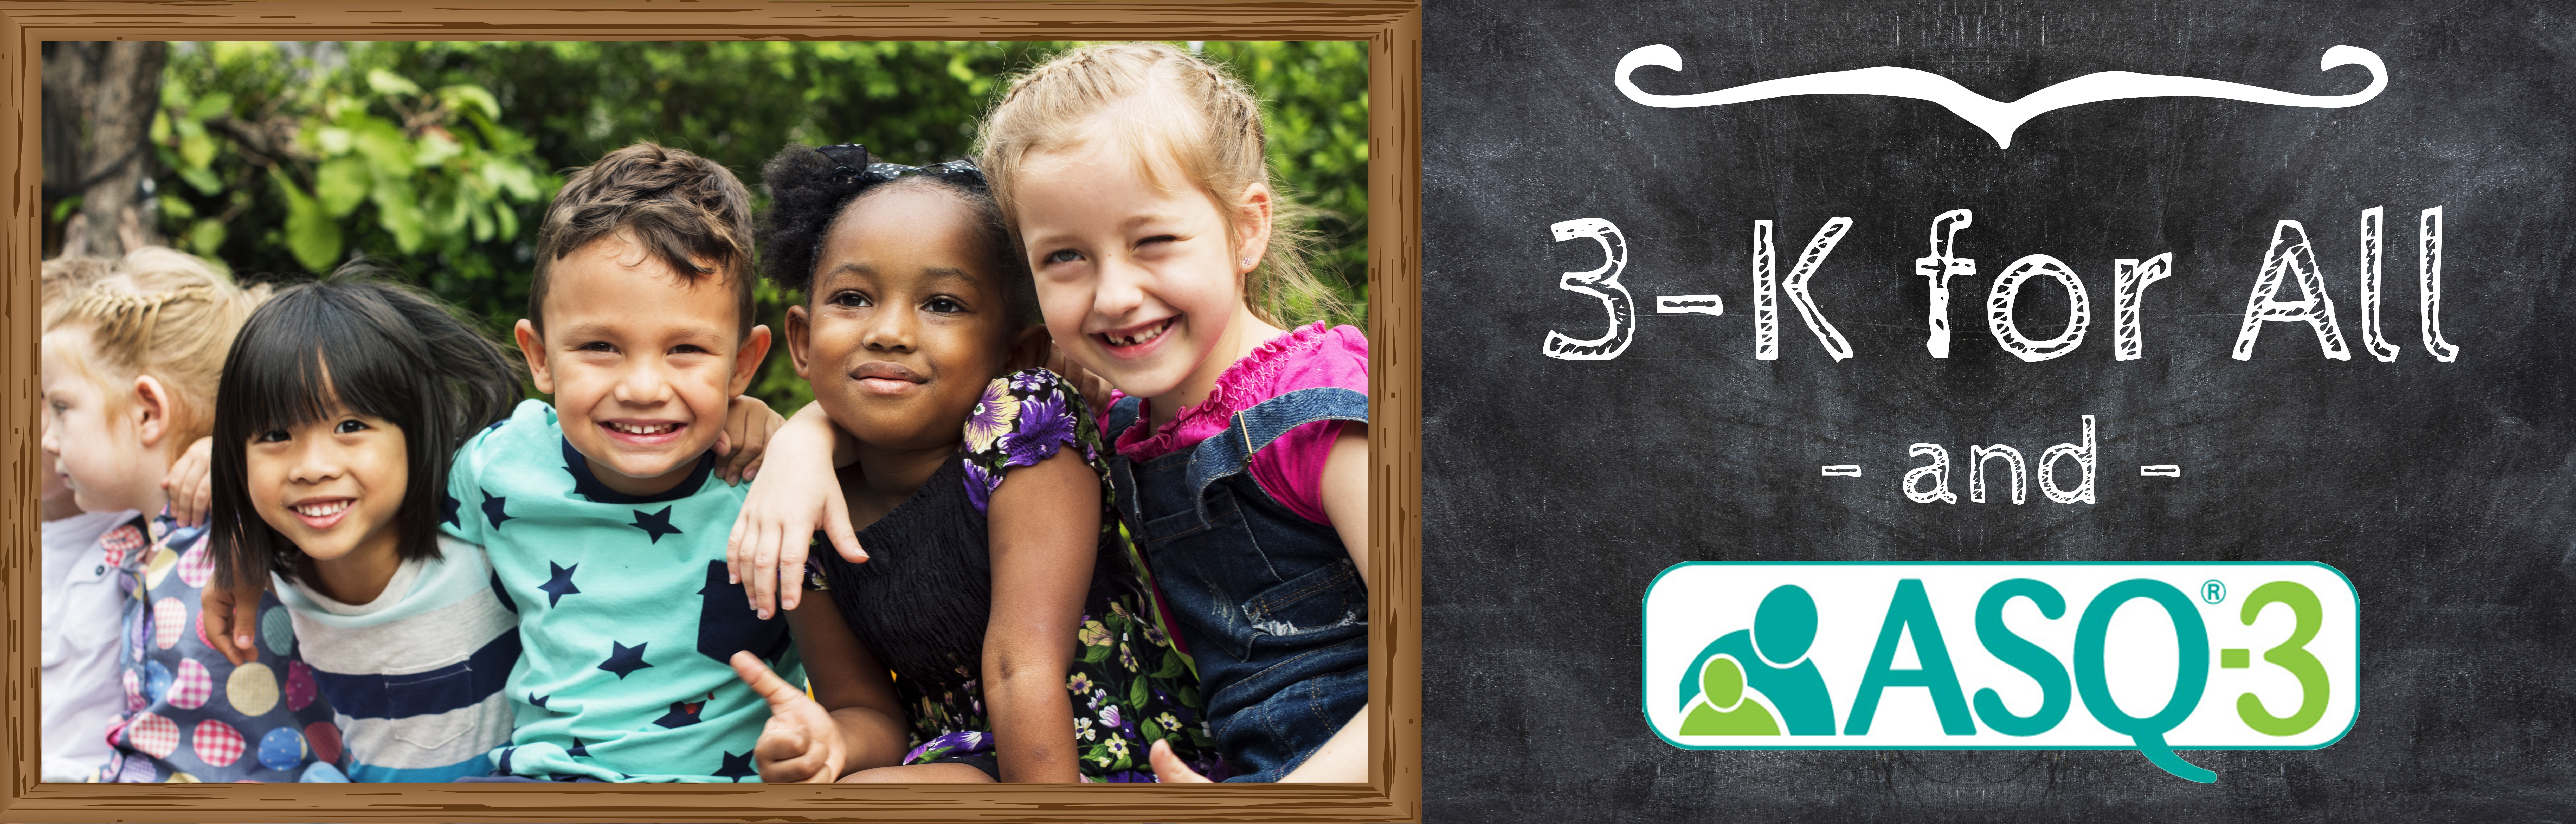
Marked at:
<point>995,584</point>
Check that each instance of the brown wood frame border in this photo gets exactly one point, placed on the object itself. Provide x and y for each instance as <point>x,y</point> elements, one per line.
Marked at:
<point>1393,30</point>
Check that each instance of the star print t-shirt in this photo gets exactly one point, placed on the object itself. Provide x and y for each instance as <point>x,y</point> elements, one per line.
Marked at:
<point>625,619</point>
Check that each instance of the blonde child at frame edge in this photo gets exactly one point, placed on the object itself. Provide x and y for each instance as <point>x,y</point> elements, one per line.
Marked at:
<point>1134,178</point>
<point>81,602</point>
<point>130,373</point>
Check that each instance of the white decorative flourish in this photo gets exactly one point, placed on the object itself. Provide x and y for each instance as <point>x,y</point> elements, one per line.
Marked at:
<point>1996,117</point>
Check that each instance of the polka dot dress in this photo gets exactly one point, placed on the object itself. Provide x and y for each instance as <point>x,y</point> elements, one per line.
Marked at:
<point>193,686</point>
<point>191,715</point>
<point>217,743</point>
<point>252,689</point>
<point>282,749</point>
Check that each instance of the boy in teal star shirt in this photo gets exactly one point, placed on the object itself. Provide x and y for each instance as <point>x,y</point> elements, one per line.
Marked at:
<point>603,515</point>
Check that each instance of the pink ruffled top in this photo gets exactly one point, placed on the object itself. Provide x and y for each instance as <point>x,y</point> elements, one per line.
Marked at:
<point>1291,469</point>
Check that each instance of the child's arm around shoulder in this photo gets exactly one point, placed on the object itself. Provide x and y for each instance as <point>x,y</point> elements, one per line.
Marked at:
<point>794,494</point>
<point>749,422</point>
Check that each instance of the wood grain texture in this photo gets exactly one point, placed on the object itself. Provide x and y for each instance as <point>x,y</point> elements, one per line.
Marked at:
<point>1393,31</point>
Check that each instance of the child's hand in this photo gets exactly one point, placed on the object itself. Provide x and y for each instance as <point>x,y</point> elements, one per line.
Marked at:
<point>766,552</point>
<point>1094,389</point>
<point>801,743</point>
<point>748,424</point>
<point>190,483</point>
<point>1169,769</point>
<point>230,615</point>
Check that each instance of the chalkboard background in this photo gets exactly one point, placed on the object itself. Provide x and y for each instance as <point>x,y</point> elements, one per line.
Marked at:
<point>1555,490</point>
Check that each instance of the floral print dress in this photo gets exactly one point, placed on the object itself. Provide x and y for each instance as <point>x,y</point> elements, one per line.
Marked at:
<point>922,600</point>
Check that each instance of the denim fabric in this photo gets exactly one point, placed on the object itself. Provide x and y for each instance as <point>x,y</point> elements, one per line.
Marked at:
<point>1274,611</point>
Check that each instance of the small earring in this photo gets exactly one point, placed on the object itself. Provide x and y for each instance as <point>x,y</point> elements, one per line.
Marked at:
<point>1247,263</point>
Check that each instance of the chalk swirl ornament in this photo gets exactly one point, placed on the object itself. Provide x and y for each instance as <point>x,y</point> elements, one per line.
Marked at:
<point>1998,118</point>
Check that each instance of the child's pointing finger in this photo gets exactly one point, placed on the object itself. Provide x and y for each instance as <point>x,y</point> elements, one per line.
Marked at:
<point>780,694</point>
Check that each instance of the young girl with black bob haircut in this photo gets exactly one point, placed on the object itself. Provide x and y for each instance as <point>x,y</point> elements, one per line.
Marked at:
<point>996,586</point>
<point>344,401</point>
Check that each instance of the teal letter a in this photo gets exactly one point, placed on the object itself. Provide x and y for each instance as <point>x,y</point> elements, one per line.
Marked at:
<point>1911,609</point>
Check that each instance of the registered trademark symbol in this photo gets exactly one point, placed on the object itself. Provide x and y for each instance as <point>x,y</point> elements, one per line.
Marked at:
<point>2213,591</point>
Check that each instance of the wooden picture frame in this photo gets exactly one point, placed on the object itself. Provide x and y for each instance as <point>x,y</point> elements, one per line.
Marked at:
<point>1392,29</point>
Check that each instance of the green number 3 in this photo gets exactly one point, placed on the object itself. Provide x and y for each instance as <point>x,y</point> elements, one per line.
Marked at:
<point>2291,655</point>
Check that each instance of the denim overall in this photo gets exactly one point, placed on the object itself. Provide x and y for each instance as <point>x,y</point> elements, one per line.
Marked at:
<point>1273,609</point>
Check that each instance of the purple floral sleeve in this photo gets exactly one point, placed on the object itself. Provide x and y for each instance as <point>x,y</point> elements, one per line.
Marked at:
<point>1023,418</point>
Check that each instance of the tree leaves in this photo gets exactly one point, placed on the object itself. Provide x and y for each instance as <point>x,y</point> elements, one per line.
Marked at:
<point>390,84</point>
<point>310,232</point>
<point>439,157</point>
<point>355,155</point>
<point>342,184</point>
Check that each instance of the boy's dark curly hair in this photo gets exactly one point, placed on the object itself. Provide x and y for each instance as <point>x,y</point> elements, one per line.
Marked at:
<point>688,211</point>
<point>808,190</point>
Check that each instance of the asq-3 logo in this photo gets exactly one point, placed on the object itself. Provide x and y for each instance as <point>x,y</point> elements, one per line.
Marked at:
<point>2153,657</point>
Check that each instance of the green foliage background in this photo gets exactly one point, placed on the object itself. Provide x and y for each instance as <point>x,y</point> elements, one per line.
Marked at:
<point>283,160</point>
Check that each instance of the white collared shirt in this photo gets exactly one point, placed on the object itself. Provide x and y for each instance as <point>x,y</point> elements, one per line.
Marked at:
<point>83,615</point>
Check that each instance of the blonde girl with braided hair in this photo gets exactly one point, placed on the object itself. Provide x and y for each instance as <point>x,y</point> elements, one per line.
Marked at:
<point>1133,179</point>
<point>80,599</point>
<point>130,367</point>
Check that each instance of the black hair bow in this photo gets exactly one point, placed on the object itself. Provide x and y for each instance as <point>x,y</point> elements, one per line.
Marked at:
<point>855,163</point>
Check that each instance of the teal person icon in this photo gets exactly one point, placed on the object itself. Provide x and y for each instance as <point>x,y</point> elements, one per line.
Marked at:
<point>1725,712</point>
<point>1771,659</point>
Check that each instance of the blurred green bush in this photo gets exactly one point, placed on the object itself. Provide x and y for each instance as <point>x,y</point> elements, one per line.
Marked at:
<point>285,159</point>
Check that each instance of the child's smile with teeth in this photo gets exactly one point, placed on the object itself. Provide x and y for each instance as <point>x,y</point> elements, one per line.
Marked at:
<point>331,486</point>
<point>1138,336</point>
<point>323,509</point>
<point>641,362</point>
<point>321,514</point>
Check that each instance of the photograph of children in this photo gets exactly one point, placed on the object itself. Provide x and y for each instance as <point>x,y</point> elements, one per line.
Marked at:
<point>705,412</point>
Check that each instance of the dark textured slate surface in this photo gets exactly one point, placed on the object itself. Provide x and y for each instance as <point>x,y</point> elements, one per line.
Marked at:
<point>1555,490</point>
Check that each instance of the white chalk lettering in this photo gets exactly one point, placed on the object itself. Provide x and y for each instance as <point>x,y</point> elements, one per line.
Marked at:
<point>2428,267</point>
<point>1938,470</point>
<point>2291,255</point>
<point>1977,456</point>
<point>2129,281</point>
<point>2084,459</point>
<point>1603,284</point>
<point>1939,268</point>
<point>2371,340</point>
<point>1999,310</point>
<point>1766,312</point>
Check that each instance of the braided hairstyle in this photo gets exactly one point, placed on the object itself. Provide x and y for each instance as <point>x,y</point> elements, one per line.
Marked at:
<point>159,312</point>
<point>809,190</point>
<point>687,210</point>
<point>1161,103</point>
<point>62,277</point>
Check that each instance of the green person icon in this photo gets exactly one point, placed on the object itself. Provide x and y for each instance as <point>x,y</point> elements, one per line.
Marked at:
<point>1725,712</point>
<point>1784,626</point>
